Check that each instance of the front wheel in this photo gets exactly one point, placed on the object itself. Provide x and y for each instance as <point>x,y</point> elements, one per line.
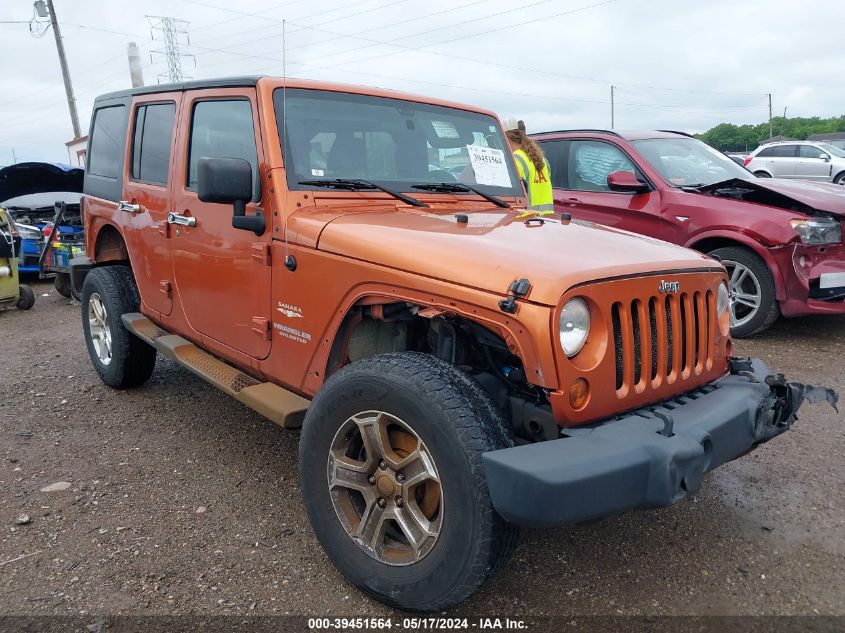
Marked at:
<point>840,179</point>
<point>119,357</point>
<point>753,304</point>
<point>394,486</point>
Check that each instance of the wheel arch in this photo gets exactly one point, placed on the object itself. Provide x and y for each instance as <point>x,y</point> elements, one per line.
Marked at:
<point>840,174</point>
<point>706,242</point>
<point>763,171</point>
<point>515,333</point>
<point>109,246</point>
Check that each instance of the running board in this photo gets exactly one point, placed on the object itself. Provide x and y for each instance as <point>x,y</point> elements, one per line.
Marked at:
<point>283,407</point>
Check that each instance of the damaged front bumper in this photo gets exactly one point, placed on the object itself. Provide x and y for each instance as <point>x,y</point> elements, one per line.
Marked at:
<point>647,458</point>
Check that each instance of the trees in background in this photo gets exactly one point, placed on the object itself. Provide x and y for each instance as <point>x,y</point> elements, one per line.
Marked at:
<point>728,137</point>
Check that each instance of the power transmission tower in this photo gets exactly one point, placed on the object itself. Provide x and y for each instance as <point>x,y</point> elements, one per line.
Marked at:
<point>170,30</point>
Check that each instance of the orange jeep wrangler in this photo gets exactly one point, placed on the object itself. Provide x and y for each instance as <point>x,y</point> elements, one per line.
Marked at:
<point>360,263</point>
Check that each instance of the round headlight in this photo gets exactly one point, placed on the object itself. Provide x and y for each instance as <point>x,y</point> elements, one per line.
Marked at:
<point>722,299</point>
<point>574,326</point>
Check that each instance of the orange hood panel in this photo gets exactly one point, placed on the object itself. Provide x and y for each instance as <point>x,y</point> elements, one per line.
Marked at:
<point>492,249</point>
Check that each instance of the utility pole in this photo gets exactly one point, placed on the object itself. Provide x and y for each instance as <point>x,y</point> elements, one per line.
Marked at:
<point>770,116</point>
<point>42,11</point>
<point>612,109</point>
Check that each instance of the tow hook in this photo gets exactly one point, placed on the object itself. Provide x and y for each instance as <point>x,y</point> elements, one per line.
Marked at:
<point>778,411</point>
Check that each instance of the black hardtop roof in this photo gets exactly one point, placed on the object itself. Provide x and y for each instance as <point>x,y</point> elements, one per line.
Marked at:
<point>196,84</point>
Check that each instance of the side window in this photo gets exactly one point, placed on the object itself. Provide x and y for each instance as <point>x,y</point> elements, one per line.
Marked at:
<point>810,151</point>
<point>784,151</point>
<point>766,153</point>
<point>590,162</point>
<point>151,142</point>
<point>222,129</point>
<point>107,139</point>
<point>557,153</point>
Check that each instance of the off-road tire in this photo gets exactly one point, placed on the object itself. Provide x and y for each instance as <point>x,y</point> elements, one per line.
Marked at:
<point>458,423</point>
<point>64,287</point>
<point>132,360</point>
<point>769,309</point>
<point>26,298</point>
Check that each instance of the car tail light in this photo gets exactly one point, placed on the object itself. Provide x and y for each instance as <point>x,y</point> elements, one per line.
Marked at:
<point>746,161</point>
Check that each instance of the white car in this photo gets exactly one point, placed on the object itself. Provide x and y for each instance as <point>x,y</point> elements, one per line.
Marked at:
<point>804,160</point>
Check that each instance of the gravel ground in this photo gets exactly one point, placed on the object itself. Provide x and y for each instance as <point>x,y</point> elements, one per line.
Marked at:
<point>180,500</point>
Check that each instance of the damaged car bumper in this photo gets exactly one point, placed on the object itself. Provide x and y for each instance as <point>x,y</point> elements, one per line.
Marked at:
<point>648,458</point>
<point>814,279</point>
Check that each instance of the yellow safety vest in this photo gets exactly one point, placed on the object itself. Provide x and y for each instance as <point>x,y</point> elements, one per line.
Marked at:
<point>538,183</point>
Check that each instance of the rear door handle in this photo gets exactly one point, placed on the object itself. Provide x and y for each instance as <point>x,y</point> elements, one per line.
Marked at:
<point>181,220</point>
<point>570,201</point>
<point>128,207</point>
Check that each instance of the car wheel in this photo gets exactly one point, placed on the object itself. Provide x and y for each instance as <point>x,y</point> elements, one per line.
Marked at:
<point>753,305</point>
<point>394,486</point>
<point>26,298</point>
<point>762,174</point>
<point>119,357</point>
<point>63,285</point>
<point>840,179</point>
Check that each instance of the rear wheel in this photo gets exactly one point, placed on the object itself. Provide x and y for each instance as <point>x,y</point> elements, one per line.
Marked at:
<point>753,305</point>
<point>392,479</point>
<point>26,298</point>
<point>119,357</point>
<point>762,174</point>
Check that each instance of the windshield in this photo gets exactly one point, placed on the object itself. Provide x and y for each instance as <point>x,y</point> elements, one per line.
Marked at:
<point>686,162</point>
<point>832,149</point>
<point>392,142</point>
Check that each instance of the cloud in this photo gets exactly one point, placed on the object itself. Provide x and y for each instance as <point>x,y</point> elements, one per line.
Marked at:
<point>678,65</point>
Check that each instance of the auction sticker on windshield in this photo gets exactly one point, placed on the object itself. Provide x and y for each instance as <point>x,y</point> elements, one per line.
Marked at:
<point>489,166</point>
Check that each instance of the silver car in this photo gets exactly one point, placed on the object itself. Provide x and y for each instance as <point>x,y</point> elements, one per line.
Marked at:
<point>804,160</point>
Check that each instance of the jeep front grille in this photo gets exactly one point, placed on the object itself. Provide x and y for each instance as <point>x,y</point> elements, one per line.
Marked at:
<point>663,338</point>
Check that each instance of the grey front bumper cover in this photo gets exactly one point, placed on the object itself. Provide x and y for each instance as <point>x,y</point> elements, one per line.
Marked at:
<point>647,458</point>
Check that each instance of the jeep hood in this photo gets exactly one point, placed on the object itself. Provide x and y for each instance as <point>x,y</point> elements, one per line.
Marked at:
<point>796,195</point>
<point>24,179</point>
<point>492,249</point>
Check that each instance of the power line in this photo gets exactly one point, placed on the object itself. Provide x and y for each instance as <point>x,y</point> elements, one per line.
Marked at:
<point>171,29</point>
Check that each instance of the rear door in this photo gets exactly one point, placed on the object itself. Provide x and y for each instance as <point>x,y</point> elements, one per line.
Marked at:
<point>782,160</point>
<point>813,163</point>
<point>580,168</point>
<point>151,140</point>
<point>222,275</point>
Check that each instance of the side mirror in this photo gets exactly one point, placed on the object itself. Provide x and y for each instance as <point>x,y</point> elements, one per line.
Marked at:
<point>824,157</point>
<point>626,182</point>
<point>229,181</point>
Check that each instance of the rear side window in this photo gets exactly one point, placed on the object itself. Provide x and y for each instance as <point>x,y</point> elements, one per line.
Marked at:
<point>151,142</point>
<point>107,142</point>
<point>222,129</point>
<point>557,153</point>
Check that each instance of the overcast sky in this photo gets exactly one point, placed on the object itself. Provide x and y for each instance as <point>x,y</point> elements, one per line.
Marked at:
<point>678,64</point>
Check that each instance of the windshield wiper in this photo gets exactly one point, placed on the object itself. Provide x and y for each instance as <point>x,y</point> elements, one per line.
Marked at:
<point>358,185</point>
<point>450,187</point>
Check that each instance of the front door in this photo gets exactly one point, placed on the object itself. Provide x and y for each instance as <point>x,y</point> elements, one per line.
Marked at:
<point>222,276</point>
<point>148,197</point>
<point>813,163</point>
<point>579,176</point>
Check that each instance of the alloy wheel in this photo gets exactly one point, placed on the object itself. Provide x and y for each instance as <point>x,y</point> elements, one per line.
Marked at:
<point>385,488</point>
<point>746,294</point>
<point>98,325</point>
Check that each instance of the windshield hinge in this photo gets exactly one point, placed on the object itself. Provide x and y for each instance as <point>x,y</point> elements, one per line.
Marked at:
<point>518,288</point>
<point>261,327</point>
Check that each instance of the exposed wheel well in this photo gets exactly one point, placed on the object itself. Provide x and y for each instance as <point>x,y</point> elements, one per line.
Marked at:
<point>373,329</point>
<point>712,243</point>
<point>110,247</point>
<point>762,173</point>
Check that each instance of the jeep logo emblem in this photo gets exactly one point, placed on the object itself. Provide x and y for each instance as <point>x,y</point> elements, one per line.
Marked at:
<point>669,286</point>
